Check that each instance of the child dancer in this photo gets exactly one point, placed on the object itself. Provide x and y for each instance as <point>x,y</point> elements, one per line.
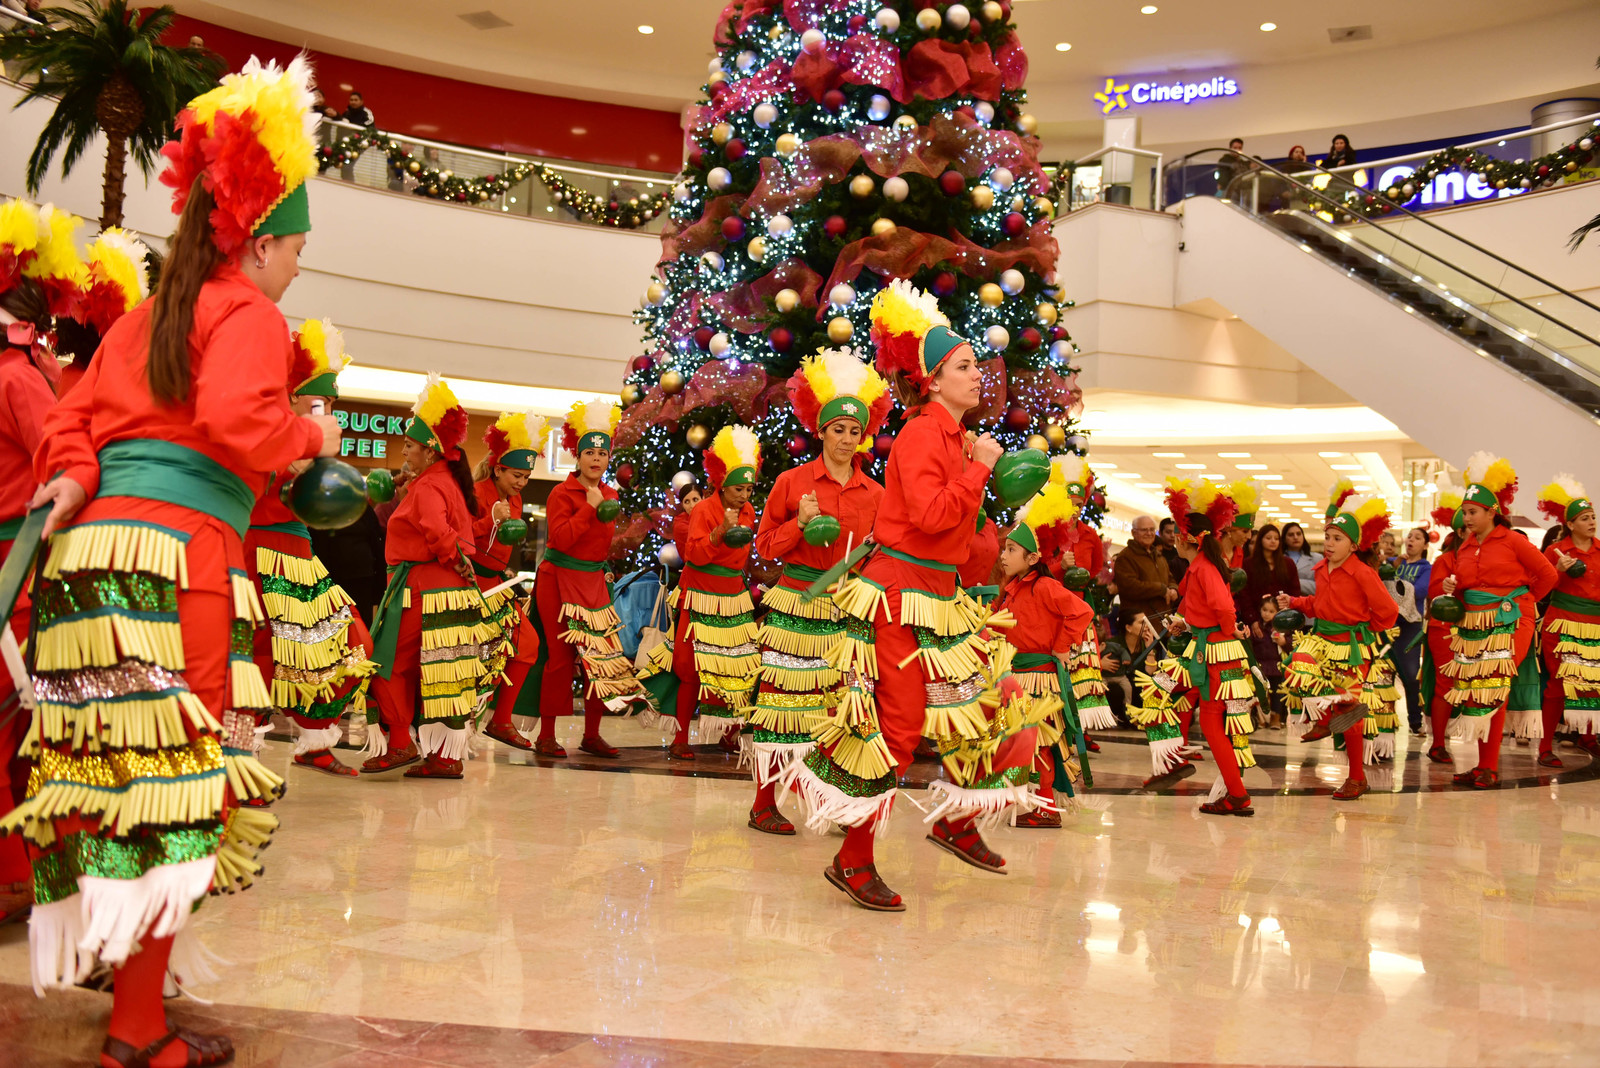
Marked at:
<point>1571,634</point>
<point>1436,654</point>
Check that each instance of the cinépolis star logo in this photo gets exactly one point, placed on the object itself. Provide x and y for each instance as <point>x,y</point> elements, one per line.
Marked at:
<point>1113,97</point>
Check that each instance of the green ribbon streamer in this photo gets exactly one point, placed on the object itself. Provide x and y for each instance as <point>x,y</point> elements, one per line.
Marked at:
<point>571,563</point>
<point>1069,715</point>
<point>1360,632</point>
<point>386,623</point>
<point>293,529</point>
<point>1567,602</point>
<point>983,594</point>
<point>919,561</point>
<point>164,471</point>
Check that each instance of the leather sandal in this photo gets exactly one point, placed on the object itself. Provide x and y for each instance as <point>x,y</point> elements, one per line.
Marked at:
<point>872,895</point>
<point>1228,805</point>
<point>1090,744</point>
<point>435,767</point>
<point>394,758</point>
<point>507,734</point>
<point>1550,760</point>
<point>1440,754</point>
<point>1352,789</point>
<point>681,751</point>
<point>549,747</point>
<point>330,766</point>
<point>1317,732</point>
<point>203,1050</point>
<point>975,852</point>
<point>769,820</point>
<point>1170,778</point>
<point>926,750</point>
<point>598,746</point>
<point>1464,778</point>
<point>1486,779</point>
<point>1039,818</point>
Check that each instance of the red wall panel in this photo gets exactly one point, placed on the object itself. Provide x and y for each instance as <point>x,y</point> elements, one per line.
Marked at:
<point>481,116</point>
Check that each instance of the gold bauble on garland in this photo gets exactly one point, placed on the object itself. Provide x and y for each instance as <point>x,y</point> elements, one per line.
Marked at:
<point>630,395</point>
<point>671,382</point>
<point>1038,441</point>
<point>697,436</point>
<point>991,295</point>
<point>840,329</point>
<point>1056,435</point>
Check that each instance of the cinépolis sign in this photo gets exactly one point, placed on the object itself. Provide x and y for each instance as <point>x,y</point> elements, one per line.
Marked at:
<point>1118,94</point>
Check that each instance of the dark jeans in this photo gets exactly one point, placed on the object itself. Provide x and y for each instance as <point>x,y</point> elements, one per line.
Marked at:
<point>1408,664</point>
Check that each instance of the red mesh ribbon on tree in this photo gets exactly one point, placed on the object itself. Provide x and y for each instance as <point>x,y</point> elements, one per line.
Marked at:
<point>935,69</point>
<point>904,251</point>
<point>718,382</point>
<point>861,59</point>
<point>744,307</point>
<point>992,398</point>
<point>705,233</point>
<point>1012,61</point>
<point>1045,393</point>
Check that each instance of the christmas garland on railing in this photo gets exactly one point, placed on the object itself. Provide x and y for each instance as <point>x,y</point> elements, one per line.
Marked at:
<point>440,183</point>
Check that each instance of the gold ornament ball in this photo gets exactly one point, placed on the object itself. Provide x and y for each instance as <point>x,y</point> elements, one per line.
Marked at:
<point>982,197</point>
<point>991,295</point>
<point>716,76</point>
<point>787,145</point>
<point>929,19</point>
<point>1046,313</point>
<point>1044,206</point>
<point>697,436</point>
<point>786,300</point>
<point>992,12</point>
<point>906,122</point>
<point>655,293</point>
<point>840,329</point>
<point>671,382</point>
<point>776,32</point>
<point>1572,166</point>
<point>862,186</point>
<point>882,226</point>
<point>414,167</point>
<point>757,249</point>
<point>1038,441</point>
<point>447,175</point>
<point>1056,435</point>
<point>1027,123</point>
<point>630,395</point>
<point>721,133</point>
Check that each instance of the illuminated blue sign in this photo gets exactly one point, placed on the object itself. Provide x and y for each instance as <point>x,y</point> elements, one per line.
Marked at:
<point>1115,96</point>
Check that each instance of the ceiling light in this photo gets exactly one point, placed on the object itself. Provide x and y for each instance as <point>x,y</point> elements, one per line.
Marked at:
<point>1101,464</point>
<point>1148,9</point>
<point>1346,467</point>
<point>1329,455</point>
<point>1293,496</point>
<point>1168,455</point>
<point>1281,486</point>
<point>647,30</point>
<point>1268,27</point>
<point>1234,455</point>
<point>1268,478</point>
<point>1148,485</point>
<point>579,130</point>
<point>1251,467</point>
<point>1062,46</point>
<point>1191,467</point>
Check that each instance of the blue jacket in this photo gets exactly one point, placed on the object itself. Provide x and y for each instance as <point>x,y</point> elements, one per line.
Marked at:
<point>1417,574</point>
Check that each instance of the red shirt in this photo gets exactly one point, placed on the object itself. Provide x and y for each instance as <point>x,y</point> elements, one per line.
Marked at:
<point>1444,565</point>
<point>1502,562</point>
<point>1083,541</point>
<point>1207,600</point>
<point>269,507</point>
<point>573,526</point>
<point>1350,593</point>
<point>432,523</point>
<point>1050,617</point>
<point>237,412</point>
<point>854,504</point>
<point>704,550</point>
<point>489,553</point>
<point>985,551</point>
<point>932,489</point>
<point>680,534</point>
<point>25,397</point>
<point>1587,586</point>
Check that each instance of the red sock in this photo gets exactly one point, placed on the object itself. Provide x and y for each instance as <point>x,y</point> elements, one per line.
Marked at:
<point>1355,749</point>
<point>1489,748</point>
<point>1212,714</point>
<point>506,699</point>
<point>14,867</point>
<point>138,1016</point>
<point>547,727</point>
<point>856,852</point>
<point>767,797</point>
<point>592,711</point>
<point>688,699</point>
<point>1441,721</point>
<point>1555,699</point>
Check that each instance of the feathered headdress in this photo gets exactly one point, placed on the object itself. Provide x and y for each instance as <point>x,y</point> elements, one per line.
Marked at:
<point>1199,506</point>
<point>437,419</point>
<point>733,458</point>
<point>1447,512</point>
<point>1074,473</point>
<point>1246,497</point>
<point>56,263</point>
<point>319,356</point>
<point>839,384</point>
<point>1046,519</point>
<point>516,439</point>
<point>116,280</point>
<point>1563,500</point>
<point>1338,493</point>
<point>19,240</point>
<point>1177,496</point>
<point>1491,482</point>
<point>590,425</point>
<point>252,141</point>
<point>911,334</point>
<point>1363,520</point>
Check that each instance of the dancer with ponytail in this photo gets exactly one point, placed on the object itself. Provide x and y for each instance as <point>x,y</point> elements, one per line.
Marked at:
<point>842,400</point>
<point>576,619</point>
<point>916,657</point>
<point>1212,674</point>
<point>142,742</point>
<point>712,663</point>
<point>1570,638</point>
<point>1500,576</point>
<point>433,636</point>
<point>514,441</point>
<point>1436,654</point>
<point>1330,671</point>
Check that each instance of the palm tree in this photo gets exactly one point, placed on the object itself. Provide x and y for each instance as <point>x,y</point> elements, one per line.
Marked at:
<point>108,70</point>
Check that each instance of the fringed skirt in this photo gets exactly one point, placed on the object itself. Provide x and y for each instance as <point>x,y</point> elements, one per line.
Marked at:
<point>798,686</point>
<point>142,746</point>
<point>1325,672</point>
<point>1379,696</point>
<point>1490,666</point>
<point>1089,688</point>
<point>587,620</point>
<point>1208,669</point>
<point>1061,762</point>
<point>721,658</point>
<point>319,648</point>
<point>1572,654</point>
<point>982,721</point>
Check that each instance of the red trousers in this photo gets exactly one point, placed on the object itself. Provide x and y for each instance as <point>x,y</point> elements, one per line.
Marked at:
<point>1212,717</point>
<point>562,662</point>
<point>527,643</point>
<point>1489,748</point>
<point>1439,710</point>
<point>1555,693</point>
<point>398,694</point>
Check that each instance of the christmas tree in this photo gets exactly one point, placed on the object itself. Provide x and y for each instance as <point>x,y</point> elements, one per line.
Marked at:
<point>840,144</point>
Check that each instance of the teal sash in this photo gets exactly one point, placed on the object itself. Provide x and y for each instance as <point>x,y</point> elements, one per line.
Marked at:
<point>9,528</point>
<point>919,561</point>
<point>714,570</point>
<point>801,573</point>
<point>1361,634</point>
<point>164,471</point>
<point>297,530</point>
<point>572,563</point>
<point>386,625</point>
<point>1069,716</point>
<point>1567,602</point>
<point>1509,613</point>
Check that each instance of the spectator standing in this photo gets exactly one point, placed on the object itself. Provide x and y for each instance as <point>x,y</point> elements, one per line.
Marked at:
<point>1388,547</point>
<point>358,114</point>
<point>1299,553</point>
<point>1340,154</point>
<point>1269,646</point>
<point>1268,572</point>
<point>1415,569</point>
<point>1143,579</point>
<point>1167,532</point>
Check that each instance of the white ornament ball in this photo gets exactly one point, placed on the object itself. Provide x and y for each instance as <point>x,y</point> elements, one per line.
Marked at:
<point>720,344</point>
<point>1586,143</point>
<point>1408,189</point>
<point>757,249</point>
<point>719,178</point>
<point>888,19</point>
<point>1061,350</point>
<point>1077,442</point>
<point>654,294</point>
<point>984,111</point>
<point>861,186</point>
<point>957,16</point>
<point>1525,183</point>
<point>786,300</point>
<point>721,133</point>
<point>779,225</point>
<point>905,122</point>
<point>1001,178</point>
<point>682,479</point>
<point>712,260</point>
<point>714,67</point>
<point>669,556</point>
<point>745,60</point>
<point>841,295</point>
<point>997,338</point>
<point>896,189</point>
<point>928,19</point>
<point>786,145</point>
<point>764,114</point>
<point>878,107</point>
<point>1011,281</point>
<point>812,40</point>
<point>680,192</point>
<point>992,12</point>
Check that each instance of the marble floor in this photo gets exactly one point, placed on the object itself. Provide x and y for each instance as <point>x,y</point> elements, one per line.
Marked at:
<point>564,916</point>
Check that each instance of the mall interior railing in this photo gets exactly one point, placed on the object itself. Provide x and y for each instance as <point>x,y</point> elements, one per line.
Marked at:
<point>1110,175</point>
<point>1505,311</point>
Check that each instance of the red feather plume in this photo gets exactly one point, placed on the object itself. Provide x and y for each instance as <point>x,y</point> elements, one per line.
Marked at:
<point>1445,516</point>
<point>1223,511</point>
<point>300,368</point>
<point>807,407</point>
<point>497,440</point>
<point>1373,529</point>
<point>1178,507</point>
<point>898,352</point>
<point>877,415</point>
<point>238,170</point>
<point>1505,496</point>
<point>569,437</point>
<point>1557,512</point>
<point>452,431</point>
<point>716,470</point>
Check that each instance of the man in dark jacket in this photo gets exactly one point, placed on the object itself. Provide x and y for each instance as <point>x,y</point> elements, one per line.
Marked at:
<point>1144,581</point>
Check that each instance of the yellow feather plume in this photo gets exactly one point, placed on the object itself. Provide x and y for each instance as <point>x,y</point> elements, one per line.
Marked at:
<point>116,256</point>
<point>843,372</point>
<point>737,446</point>
<point>1562,490</point>
<point>1202,494</point>
<point>279,101</point>
<point>1068,468</point>
<point>1491,471</point>
<point>1449,494</point>
<point>523,430</point>
<point>902,308</point>
<point>1366,509</point>
<point>19,227</point>
<point>57,248</point>
<point>324,343</point>
<point>435,399</point>
<point>1050,507</point>
<point>1247,495</point>
<point>594,415</point>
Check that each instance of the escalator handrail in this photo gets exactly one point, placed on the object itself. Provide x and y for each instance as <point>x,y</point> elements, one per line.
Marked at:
<point>1337,206</point>
<point>1551,286</point>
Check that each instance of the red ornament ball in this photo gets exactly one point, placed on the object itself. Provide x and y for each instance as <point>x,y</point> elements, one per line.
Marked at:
<point>1544,169</point>
<point>1017,418</point>
<point>835,226</point>
<point>641,364</point>
<point>733,228</point>
<point>697,156</point>
<point>833,99</point>
<point>944,283</point>
<point>1058,333</point>
<point>702,336</point>
<point>1014,223</point>
<point>881,445</point>
<point>857,23</point>
<point>952,183</point>
<point>1029,339</point>
<point>719,89</point>
<point>781,339</point>
<point>798,446</point>
<point>734,149</point>
<point>624,475</point>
